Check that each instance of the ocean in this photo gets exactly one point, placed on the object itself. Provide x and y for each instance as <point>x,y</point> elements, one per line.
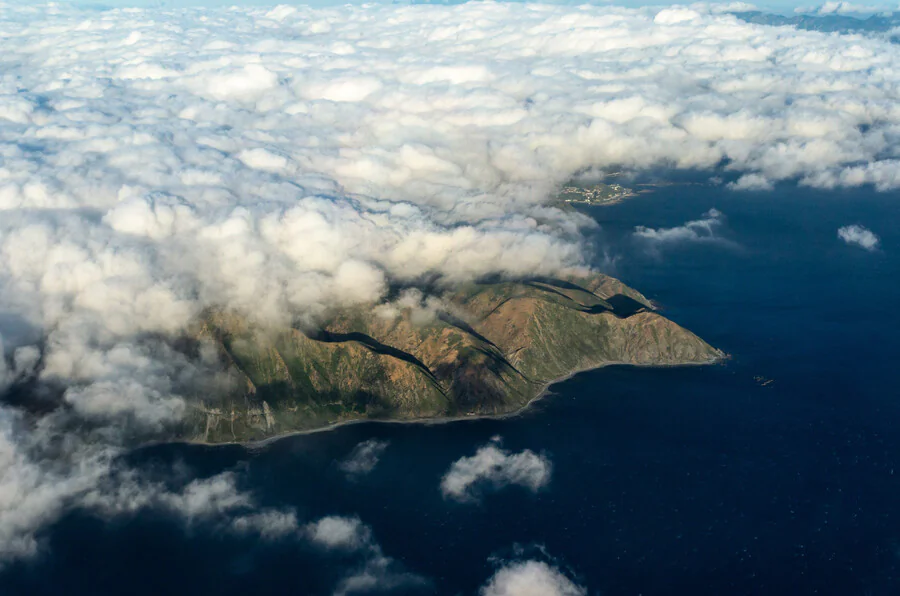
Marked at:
<point>775,472</point>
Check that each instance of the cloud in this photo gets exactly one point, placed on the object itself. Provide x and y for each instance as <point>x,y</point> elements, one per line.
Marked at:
<point>699,230</point>
<point>364,457</point>
<point>496,468</point>
<point>727,7</point>
<point>751,182</point>
<point>376,572</point>
<point>216,501</point>
<point>860,236</point>
<point>156,164</point>
<point>531,578</point>
<point>39,485</point>
<point>339,532</point>
<point>34,490</point>
<point>268,524</point>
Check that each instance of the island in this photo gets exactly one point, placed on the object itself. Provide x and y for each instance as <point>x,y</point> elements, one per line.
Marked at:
<point>482,349</point>
<point>596,194</point>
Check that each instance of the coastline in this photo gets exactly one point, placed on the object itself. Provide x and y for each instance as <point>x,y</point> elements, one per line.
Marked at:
<point>544,391</point>
<point>608,203</point>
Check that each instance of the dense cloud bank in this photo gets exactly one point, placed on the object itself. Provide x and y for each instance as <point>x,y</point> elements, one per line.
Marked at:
<point>154,164</point>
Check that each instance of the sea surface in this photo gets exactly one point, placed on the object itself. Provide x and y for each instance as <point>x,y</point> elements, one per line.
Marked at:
<point>697,480</point>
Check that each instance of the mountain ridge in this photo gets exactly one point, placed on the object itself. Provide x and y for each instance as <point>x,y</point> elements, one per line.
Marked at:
<point>483,349</point>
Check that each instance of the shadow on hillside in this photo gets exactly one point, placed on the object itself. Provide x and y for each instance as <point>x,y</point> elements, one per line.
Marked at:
<point>372,344</point>
<point>619,304</point>
<point>625,306</point>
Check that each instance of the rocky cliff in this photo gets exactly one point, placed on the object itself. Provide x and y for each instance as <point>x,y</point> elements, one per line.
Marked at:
<point>481,349</point>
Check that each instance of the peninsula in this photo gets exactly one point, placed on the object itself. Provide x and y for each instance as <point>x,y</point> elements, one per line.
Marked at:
<point>482,349</point>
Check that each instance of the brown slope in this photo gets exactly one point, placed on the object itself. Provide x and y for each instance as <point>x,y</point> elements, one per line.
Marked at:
<point>490,349</point>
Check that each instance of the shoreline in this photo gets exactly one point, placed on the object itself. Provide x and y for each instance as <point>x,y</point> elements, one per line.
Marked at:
<point>608,203</point>
<point>544,392</point>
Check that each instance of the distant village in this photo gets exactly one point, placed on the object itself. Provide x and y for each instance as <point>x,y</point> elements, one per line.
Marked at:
<point>599,194</point>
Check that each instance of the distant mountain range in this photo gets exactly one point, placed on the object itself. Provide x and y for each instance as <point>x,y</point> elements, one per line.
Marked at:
<point>830,23</point>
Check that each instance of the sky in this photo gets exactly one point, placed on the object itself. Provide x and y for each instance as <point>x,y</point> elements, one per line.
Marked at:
<point>781,6</point>
<point>278,163</point>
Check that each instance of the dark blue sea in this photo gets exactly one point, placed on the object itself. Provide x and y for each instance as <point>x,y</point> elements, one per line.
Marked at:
<point>674,481</point>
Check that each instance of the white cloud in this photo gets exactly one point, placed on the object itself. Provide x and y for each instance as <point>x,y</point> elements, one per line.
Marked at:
<point>347,533</point>
<point>216,501</point>
<point>268,524</point>
<point>35,492</point>
<point>377,571</point>
<point>40,482</point>
<point>859,235</point>
<point>203,498</point>
<point>676,15</point>
<point>727,7</point>
<point>496,468</point>
<point>531,578</point>
<point>364,457</point>
<point>751,182</point>
<point>246,83</point>
<point>698,230</point>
